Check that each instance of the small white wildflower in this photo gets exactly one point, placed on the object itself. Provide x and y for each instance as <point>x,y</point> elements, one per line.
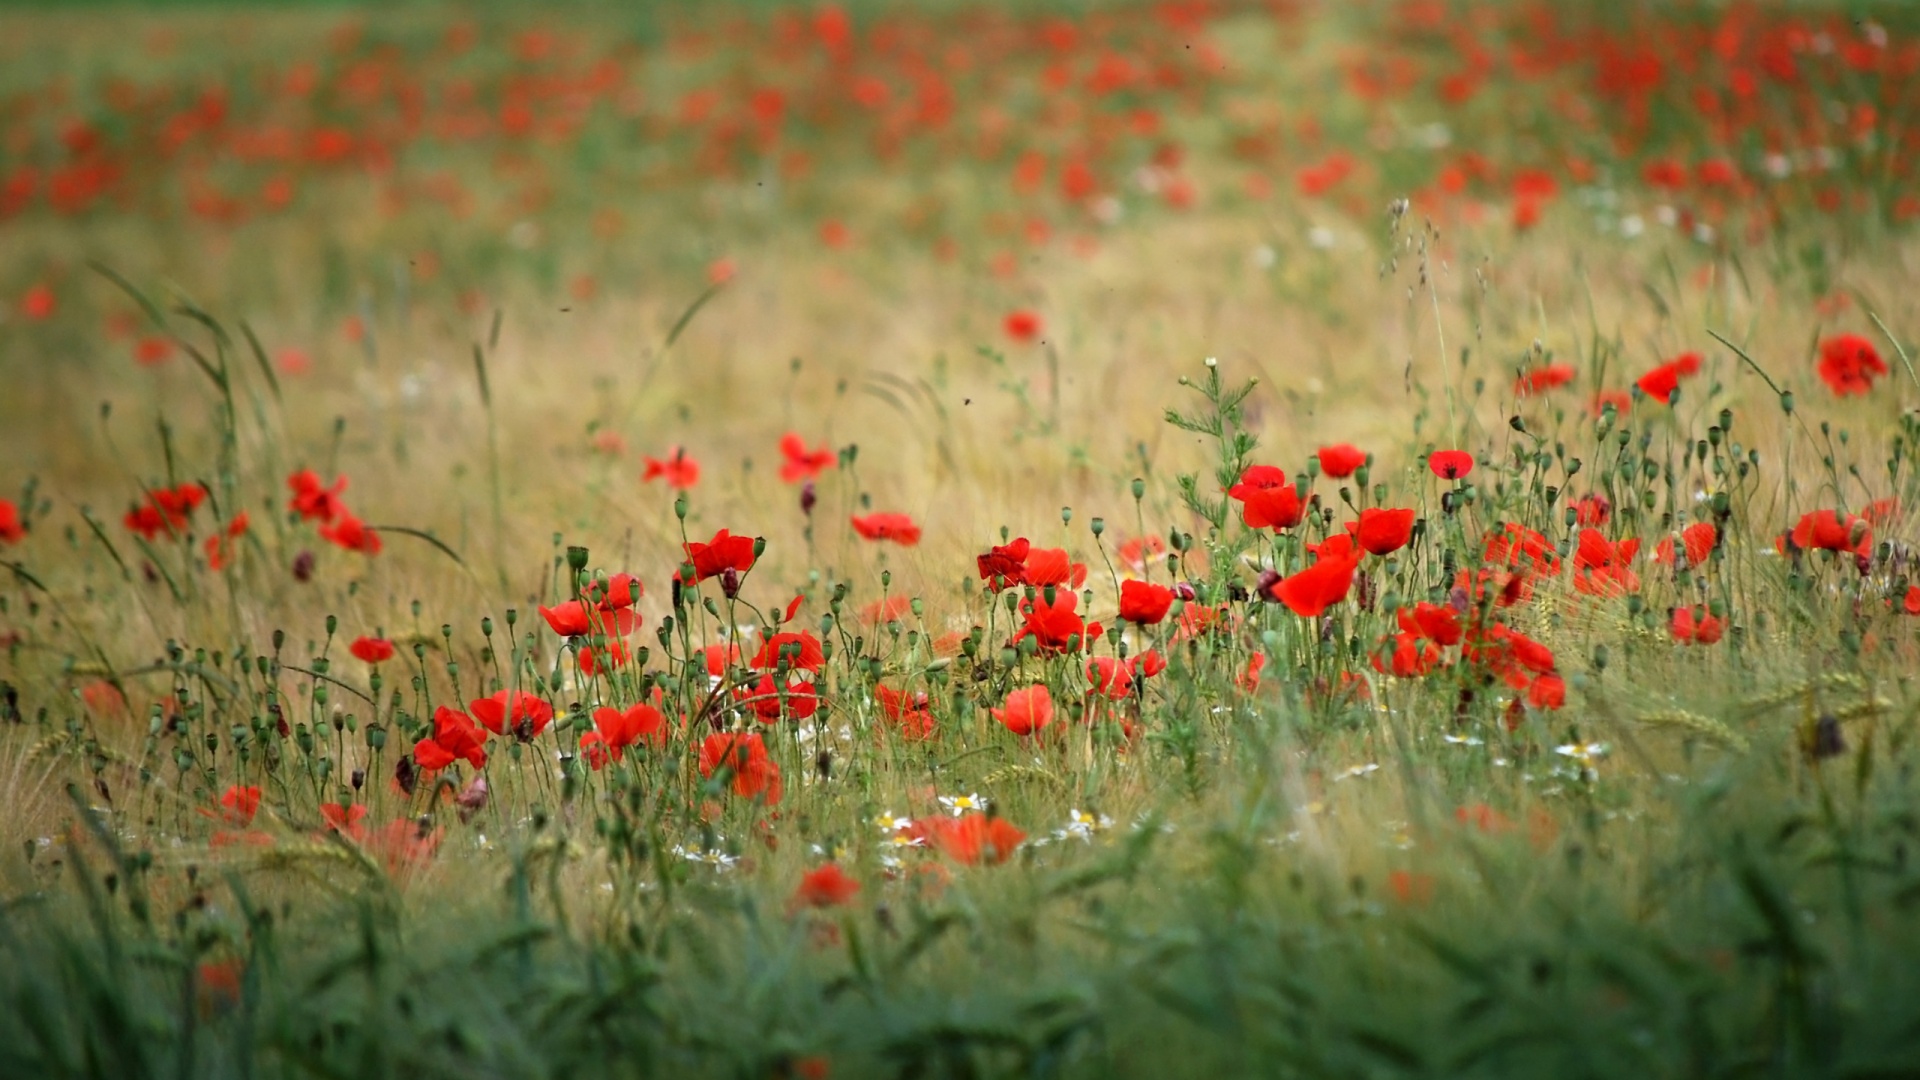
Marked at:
<point>960,804</point>
<point>1353,771</point>
<point>1462,740</point>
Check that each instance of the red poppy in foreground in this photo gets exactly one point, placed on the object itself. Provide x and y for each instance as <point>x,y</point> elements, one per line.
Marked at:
<point>722,553</point>
<point>829,886</point>
<point>372,650</point>
<point>1827,529</point>
<point>679,470</point>
<point>513,712</point>
<point>11,529</point>
<point>1695,626</point>
<point>911,713</point>
<point>1268,500</point>
<point>975,838</point>
<point>898,528</point>
<point>1382,532</point>
<point>347,820</point>
<point>1450,464</point>
<point>1405,656</point>
<point>615,730</point>
<point>1054,626</point>
<point>1023,325</point>
<point>1312,591</point>
<point>1053,566</point>
<point>1849,363</point>
<point>1143,602</point>
<point>1341,459</point>
<point>455,738</point>
<point>1697,540</point>
<point>1006,565</point>
<point>1436,623</point>
<point>1027,711</point>
<point>1660,383</point>
<point>745,755</point>
<point>802,463</point>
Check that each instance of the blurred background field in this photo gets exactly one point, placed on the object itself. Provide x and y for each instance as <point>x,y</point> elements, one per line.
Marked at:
<point>511,270</point>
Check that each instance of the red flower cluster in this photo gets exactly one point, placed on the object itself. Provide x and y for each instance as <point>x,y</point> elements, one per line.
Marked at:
<point>166,511</point>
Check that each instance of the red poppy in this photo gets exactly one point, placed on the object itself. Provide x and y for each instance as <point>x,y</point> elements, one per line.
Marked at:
<point>1340,545</point>
<point>513,712</point>
<point>403,844</point>
<point>372,650</point>
<point>1592,510</point>
<point>898,528</point>
<point>1026,711</point>
<point>1341,459</point>
<point>1052,566</point>
<point>575,619</point>
<point>1911,604</point>
<point>1660,383</point>
<point>1055,626</point>
<point>1827,529</point>
<point>1450,464</point>
<point>1541,379</point>
<point>829,886</point>
<point>1620,401</point>
<point>974,838</point>
<point>722,553</point>
<point>1518,547</point>
<point>38,302</point>
<point>1602,567</point>
<point>455,738</point>
<point>1410,889</point>
<point>12,531</point>
<point>1405,656</point>
<point>619,729</point>
<point>754,773</point>
<point>1695,626</point>
<point>801,463</point>
<point>679,470</point>
<point>1697,540</point>
<point>238,805</point>
<point>1312,591</point>
<point>1023,325</point>
<point>353,534</point>
<point>1143,602</point>
<point>911,713</point>
<point>166,510</point>
<point>152,351</point>
<point>798,651</point>
<point>1849,363</point>
<point>1006,565</point>
<point>1136,553</point>
<point>1382,532</point>
<point>219,546</point>
<point>347,820</point>
<point>1436,623</point>
<point>772,701</point>
<point>1110,677</point>
<point>1268,499</point>
<point>314,501</point>
<point>1547,692</point>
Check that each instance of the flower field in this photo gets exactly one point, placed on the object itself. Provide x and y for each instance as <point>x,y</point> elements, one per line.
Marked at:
<point>956,540</point>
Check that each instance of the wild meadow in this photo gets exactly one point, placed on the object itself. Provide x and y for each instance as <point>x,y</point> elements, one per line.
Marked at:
<point>957,540</point>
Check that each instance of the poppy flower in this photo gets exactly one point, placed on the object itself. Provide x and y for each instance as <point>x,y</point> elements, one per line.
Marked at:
<point>1518,547</point>
<point>1541,379</point>
<point>1268,500</point>
<point>1410,889</point>
<point>797,651</point>
<point>575,619</point>
<point>219,546</point>
<point>1312,591</point>
<point>1697,540</point>
<point>1052,566</point>
<point>1006,565</point>
<point>1022,325</point>
<point>1849,363</point>
<point>1053,625</point>
<point>1592,510</point>
<point>679,470</point>
<point>975,838</point>
<point>1911,603</point>
<point>1110,677</point>
<point>166,510</point>
<point>1341,459</point>
<point>619,729</point>
<point>722,553</point>
<point>238,805</point>
<point>1602,567</point>
<point>372,650</point>
<point>1437,623</point>
<point>595,659</point>
<point>828,886</point>
<point>1694,626</point>
<point>1137,553</point>
<point>1026,711</point>
<point>898,528</point>
<point>772,701</point>
<point>353,534</point>
<point>513,712</point>
<point>346,820</point>
<point>12,531</point>
<point>801,463</point>
<point>911,713</point>
<point>1450,464</point>
<point>1620,401</point>
<point>455,738</point>
<point>1340,545</point>
<point>403,845</point>
<point>1382,532</point>
<point>1660,383</point>
<point>1405,656</point>
<point>719,658</point>
<point>745,755</point>
<point>1547,692</point>
<point>314,501</point>
<point>1143,602</point>
<point>1827,529</point>
<point>38,303</point>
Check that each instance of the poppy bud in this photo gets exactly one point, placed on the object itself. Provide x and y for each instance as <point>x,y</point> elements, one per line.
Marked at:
<point>1099,526</point>
<point>358,778</point>
<point>1786,402</point>
<point>576,558</point>
<point>1066,515</point>
<point>808,499</point>
<point>1139,489</point>
<point>729,583</point>
<point>333,624</point>
<point>680,507</point>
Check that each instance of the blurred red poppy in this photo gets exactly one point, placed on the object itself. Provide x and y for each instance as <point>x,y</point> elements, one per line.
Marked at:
<point>898,528</point>
<point>801,463</point>
<point>372,650</point>
<point>1849,363</point>
<point>1026,711</point>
